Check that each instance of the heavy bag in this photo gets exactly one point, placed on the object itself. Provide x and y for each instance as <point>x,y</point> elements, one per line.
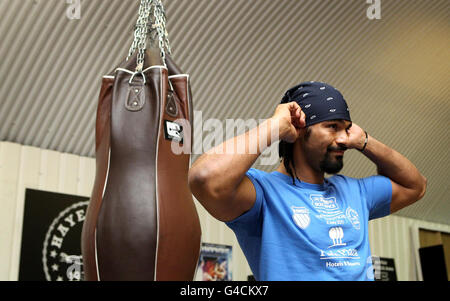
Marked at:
<point>141,223</point>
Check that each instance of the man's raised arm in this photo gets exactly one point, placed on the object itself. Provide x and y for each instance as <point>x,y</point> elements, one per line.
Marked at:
<point>408,184</point>
<point>217,179</point>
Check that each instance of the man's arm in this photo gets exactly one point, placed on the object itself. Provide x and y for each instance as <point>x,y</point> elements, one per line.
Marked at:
<point>217,179</point>
<point>408,184</point>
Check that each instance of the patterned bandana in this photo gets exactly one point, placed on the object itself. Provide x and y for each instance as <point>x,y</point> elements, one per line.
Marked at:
<point>319,101</point>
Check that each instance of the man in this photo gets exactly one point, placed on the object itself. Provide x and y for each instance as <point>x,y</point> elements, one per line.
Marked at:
<point>293,223</point>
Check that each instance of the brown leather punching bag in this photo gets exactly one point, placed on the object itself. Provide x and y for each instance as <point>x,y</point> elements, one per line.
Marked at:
<point>141,222</point>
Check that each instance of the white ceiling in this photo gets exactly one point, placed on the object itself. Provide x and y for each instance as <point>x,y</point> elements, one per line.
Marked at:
<point>242,55</point>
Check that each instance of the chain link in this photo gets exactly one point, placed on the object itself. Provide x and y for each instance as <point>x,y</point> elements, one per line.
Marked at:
<point>150,12</point>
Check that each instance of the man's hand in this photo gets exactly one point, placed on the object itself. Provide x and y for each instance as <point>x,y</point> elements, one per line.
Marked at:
<point>356,137</point>
<point>291,121</point>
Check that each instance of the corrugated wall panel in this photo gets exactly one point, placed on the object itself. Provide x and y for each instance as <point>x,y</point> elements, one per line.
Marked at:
<point>9,177</point>
<point>24,167</point>
<point>28,177</point>
<point>392,237</point>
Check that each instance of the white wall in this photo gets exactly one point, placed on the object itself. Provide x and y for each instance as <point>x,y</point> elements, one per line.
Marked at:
<point>28,167</point>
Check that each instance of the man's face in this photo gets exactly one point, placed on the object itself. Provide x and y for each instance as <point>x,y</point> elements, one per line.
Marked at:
<point>324,145</point>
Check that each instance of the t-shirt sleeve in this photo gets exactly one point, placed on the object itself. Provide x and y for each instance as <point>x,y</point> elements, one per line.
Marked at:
<point>252,217</point>
<point>378,194</point>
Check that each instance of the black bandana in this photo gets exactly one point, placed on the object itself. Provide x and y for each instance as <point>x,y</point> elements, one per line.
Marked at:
<point>319,101</point>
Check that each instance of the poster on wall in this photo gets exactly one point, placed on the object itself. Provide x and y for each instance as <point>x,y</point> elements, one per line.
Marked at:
<point>51,236</point>
<point>384,269</point>
<point>214,263</point>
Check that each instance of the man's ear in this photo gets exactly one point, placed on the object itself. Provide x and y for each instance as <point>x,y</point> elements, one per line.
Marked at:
<point>308,131</point>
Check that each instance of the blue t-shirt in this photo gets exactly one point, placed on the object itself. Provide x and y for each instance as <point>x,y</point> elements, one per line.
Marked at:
<point>311,231</point>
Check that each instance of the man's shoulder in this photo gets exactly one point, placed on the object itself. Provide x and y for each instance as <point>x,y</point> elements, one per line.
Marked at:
<point>346,180</point>
<point>267,178</point>
<point>341,179</point>
<point>258,173</point>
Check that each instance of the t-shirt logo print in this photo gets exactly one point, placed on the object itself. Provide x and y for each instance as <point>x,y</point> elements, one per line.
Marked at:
<point>328,209</point>
<point>301,217</point>
<point>336,234</point>
<point>353,217</point>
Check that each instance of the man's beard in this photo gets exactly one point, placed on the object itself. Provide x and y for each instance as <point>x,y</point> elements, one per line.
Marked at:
<point>331,166</point>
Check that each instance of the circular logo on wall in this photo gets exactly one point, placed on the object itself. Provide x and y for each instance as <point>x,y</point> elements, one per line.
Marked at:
<point>61,255</point>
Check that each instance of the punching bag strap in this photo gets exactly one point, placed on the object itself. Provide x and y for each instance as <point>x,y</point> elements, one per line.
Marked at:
<point>151,12</point>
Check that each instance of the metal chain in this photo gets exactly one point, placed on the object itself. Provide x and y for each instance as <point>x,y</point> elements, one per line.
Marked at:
<point>140,33</point>
<point>160,25</point>
<point>147,9</point>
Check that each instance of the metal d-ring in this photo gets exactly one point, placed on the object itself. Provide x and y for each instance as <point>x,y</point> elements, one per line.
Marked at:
<point>134,74</point>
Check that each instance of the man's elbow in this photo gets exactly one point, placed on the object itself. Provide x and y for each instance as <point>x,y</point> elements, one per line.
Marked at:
<point>197,179</point>
<point>200,183</point>
<point>213,199</point>
<point>405,197</point>
<point>423,188</point>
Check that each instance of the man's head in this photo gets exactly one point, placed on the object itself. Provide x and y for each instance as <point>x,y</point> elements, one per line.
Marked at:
<point>327,122</point>
<point>324,145</point>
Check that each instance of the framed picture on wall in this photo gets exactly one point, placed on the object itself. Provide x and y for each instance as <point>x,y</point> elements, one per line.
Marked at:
<point>51,236</point>
<point>214,263</point>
